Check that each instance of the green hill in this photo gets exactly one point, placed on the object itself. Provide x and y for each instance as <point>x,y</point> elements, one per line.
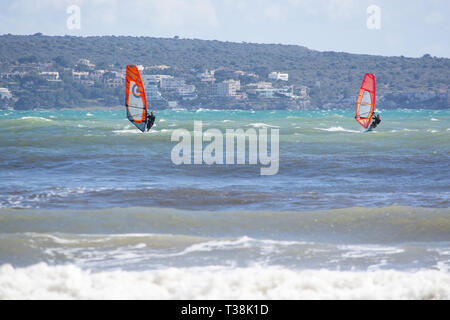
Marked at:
<point>330,76</point>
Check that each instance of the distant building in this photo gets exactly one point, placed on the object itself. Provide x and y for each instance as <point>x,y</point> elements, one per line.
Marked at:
<point>86,63</point>
<point>149,79</point>
<point>97,74</point>
<point>186,90</point>
<point>279,76</point>
<point>5,93</point>
<point>50,76</point>
<point>172,83</point>
<point>207,76</point>
<point>227,88</point>
<point>254,87</point>
<point>286,91</point>
<point>160,67</point>
<point>235,85</point>
<point>152,92</point>
<point>115,82</point>
<point>80,75</point>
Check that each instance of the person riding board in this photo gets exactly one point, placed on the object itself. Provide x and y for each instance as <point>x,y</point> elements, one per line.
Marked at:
<point>376,122</point>
<point>150,121</point>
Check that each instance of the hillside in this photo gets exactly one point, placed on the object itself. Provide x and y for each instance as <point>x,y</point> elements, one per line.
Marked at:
<point>331,77</point>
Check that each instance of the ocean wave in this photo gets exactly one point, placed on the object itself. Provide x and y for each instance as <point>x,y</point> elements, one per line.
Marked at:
<point>337,129</point>
<point>127,131</point>
<point>36,118</point>
<point>43,281</point>
<point>261,125</point>
<point>353,225</point>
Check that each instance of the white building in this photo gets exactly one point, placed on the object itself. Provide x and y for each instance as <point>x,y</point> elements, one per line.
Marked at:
<point>159,67</point>
<point>5,93</point>
<point>97,74</point>
<point>87,63</point>
<point>115,82</point>
<point>149,79</point>
<point>49,76</point>
<point>254,87</point>
<point>186,90</point>
<point>235,85</point>
<point>82,75</point>
<point>152,92</point>
<point>286,91</point>
<point>172,83</point>
<point>207,76</point>
<point>279,76</point>
<point>227,88</point>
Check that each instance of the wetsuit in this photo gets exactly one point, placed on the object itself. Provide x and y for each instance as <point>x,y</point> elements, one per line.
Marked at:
<point>375,123</point>
<point>150,121</point>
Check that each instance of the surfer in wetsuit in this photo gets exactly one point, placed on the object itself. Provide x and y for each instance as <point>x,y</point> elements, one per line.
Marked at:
<point>150,121</point>
<point>376,122</point>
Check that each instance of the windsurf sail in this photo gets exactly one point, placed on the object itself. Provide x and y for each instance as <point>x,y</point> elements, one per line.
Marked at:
<point>365,104</point>
<point>135,99</point>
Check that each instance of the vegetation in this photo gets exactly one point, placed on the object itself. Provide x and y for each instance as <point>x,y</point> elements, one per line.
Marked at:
<point>328,75</point>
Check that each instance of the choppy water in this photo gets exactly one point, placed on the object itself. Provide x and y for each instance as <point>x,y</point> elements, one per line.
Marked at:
<point>90,197</point>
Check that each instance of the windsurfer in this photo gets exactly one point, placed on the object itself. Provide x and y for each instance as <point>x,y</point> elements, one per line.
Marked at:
<point>376,121</point>
<point>150,120</point>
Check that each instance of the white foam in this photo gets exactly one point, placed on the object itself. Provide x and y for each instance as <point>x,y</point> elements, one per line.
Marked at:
<point>127,131</point>
<point>36,118</point>
<point>42,281</point>
<point>412,130</point>
<point>360,251</point>
<point>434,119</point>
<point>337,129</point>
<point>261,125</point>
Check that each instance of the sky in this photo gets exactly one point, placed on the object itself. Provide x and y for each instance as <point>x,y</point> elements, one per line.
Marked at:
<point>379,27</point>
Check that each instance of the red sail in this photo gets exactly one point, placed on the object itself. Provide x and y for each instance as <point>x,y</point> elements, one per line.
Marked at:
<point>365,104</point>
<point>135,100</point>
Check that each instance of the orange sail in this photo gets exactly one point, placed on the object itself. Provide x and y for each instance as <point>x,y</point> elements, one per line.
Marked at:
<point>365,104</point>
<point>135,99</point>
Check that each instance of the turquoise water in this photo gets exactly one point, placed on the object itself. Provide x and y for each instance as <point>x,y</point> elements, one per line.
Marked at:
<point>84,190</point>
<point>97,159</point>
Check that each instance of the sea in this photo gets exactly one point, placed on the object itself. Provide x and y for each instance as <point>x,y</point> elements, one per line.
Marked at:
<point>92,208</point>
